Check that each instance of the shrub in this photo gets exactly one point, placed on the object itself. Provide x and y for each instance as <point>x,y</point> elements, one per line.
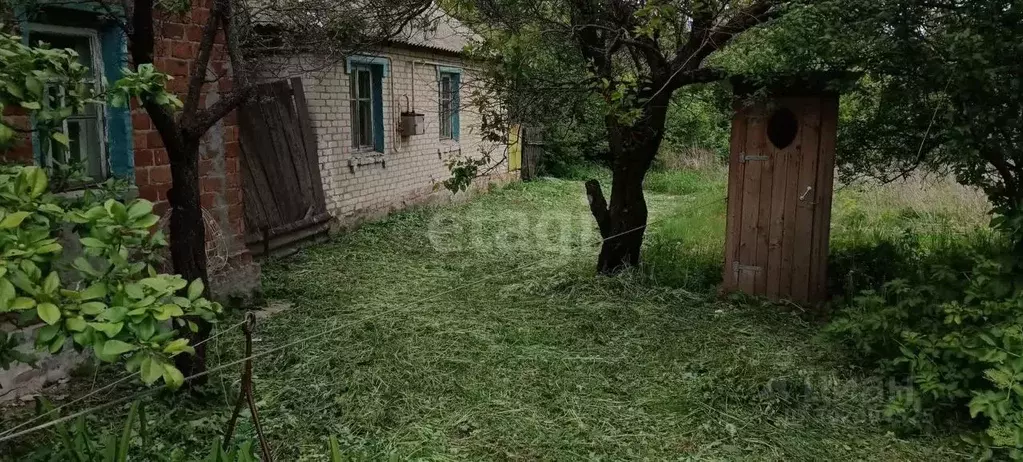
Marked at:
<point>956,336</point>
<point>110,299</point>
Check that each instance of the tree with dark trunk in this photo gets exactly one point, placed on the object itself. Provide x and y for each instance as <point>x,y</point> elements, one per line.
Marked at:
<point>268,31</point>
<point>637,54</point>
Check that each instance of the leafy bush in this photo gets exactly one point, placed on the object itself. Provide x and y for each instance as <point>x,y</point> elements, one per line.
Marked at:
<point>954,332</point>
<point>109,299</point>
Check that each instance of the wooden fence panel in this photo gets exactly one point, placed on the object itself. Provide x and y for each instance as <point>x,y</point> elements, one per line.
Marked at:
<point>283,189</point>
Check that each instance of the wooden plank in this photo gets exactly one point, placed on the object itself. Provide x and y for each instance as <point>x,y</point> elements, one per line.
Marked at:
<point>791,193</point>
<point>750,201</point>
<point>281,175</point>
<point>780,162</point>
<point>296,157</point>
<point>733,220</point>
<point>293,145</point>
<point>802,252</point>
<point>261,132</point>
<point>253,137</point>
<point>822,196</point>
<point>312,151</point>
<point>255,213</point>
<point>766,201</point>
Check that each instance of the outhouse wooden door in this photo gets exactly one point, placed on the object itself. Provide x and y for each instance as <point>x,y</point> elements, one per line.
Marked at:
<point>780,182</point>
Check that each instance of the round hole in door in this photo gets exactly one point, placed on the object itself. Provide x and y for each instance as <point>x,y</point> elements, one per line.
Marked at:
<point>782,128</point>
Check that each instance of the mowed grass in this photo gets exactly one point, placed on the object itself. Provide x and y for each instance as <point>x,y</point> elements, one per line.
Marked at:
<point>479,332</point>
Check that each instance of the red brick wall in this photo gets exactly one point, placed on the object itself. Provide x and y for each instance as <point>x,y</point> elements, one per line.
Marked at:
<point>21,148</point>
<point>177,45</point>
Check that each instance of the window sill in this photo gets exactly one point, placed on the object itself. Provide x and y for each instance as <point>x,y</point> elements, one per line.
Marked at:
<point>131,192</point>
<point>364,158</point>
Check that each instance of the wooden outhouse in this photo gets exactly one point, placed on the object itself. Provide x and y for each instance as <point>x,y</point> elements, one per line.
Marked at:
<point>780,183</point>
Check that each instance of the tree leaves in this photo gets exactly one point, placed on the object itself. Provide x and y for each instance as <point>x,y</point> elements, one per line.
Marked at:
<point>172,377</point>
<point>13,220</point>
<point>117,347</point>
<point>114,303</point>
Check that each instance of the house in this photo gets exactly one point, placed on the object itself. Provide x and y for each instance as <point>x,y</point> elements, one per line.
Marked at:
<point>371,159</point>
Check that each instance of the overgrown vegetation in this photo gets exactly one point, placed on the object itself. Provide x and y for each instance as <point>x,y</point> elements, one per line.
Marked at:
<point>110,298</point>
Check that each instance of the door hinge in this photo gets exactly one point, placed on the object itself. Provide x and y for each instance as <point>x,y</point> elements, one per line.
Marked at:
<point>743,158</point>
<point>738,268</point>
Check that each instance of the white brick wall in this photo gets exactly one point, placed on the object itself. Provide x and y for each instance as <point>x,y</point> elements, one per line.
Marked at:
<point>361,183</point>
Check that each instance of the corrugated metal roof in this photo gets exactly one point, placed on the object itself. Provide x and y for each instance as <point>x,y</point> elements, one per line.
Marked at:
<point>437,30</point>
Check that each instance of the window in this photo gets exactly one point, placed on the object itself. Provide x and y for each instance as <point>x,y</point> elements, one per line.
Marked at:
<point>447,112</point>
<point>86,151</point>
<point>362,108</point>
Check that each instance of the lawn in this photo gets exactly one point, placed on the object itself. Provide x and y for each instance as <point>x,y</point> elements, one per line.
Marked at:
<point>479,331</point>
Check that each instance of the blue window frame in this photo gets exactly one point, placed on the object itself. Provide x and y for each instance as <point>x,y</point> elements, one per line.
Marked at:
<point>101,135</point>
<point>366,95</point>
<point>449,81</point>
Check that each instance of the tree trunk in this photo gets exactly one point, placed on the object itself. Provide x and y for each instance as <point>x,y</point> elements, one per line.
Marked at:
<point>623,222</point>
<point>188,240</point>
<point>627,215</point>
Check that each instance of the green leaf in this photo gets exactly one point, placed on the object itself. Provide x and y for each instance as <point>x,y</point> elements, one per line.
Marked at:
<point>23,303</point>
<point>178,346</point>
<point>75,324</point>
<point>33,105</point>
<point>92,308</point>
<point>92,242</point>
<point>109,329</point>
<point>34,85</point>
<point>61,138</point>
<point>139,208</point>
<point>152,370</point>
<point>134,291</point>
<point>335,449</point>
<point>39,184</point>
<point>13,220</point>
<point>147,221</point>
<point>83,265</point>
<point>48,312</point>
<point>146,328</point>
<point>46,334</point>
<point>125,441</point>
<point>195,289</point>
<point>168,311</point>
<point>15,90</point>
<point>56,345</point>
<point>117,347</point>
<point>172,376</point>
<point>51,283</point>
<point>97,290</point>
<point>116,209</point>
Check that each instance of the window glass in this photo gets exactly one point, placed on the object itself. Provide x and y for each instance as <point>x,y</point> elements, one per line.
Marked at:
<point>444,113</point>
<point>362,108</point>
<point>85,153</point>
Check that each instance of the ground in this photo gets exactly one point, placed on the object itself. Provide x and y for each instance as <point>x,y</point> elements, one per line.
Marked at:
<point>479,331</point>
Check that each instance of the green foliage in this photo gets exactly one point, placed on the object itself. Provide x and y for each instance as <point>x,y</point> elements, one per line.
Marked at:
<point>110,298</point>
<point>78,443</point>
<point>698,119</point>
<point>29,74</point>
<point>954,331</point>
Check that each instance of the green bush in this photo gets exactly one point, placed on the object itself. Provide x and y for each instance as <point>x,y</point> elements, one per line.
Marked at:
<point>109,299</point>
<point>954,331</point>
